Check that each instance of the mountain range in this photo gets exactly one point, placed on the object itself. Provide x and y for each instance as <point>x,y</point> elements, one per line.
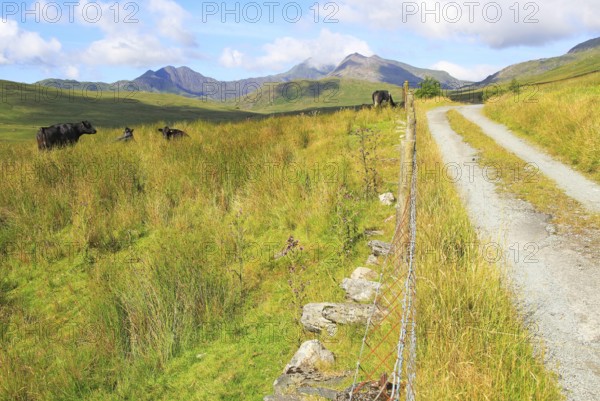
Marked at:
<point>187,82</point>
<point>583,58</point>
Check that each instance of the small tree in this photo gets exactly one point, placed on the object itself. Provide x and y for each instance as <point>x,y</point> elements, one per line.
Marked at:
<point>430,87</point>
<point>515,86</point>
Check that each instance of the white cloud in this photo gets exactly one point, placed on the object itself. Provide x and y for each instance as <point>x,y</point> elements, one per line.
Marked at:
<point>498,24</point>
<point>18,46</point>
<point>473,73</point>
<point>172,21</point>
<point>328,48</point>
<point>231,58</point>
<point>131,50</point>
<point>153,32</point>
<point>72,72</point>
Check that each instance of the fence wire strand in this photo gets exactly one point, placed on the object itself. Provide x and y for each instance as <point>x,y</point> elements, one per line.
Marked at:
<point>384,354</point>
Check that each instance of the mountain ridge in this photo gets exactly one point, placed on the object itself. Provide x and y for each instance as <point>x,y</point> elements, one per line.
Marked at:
<point>185,81</point>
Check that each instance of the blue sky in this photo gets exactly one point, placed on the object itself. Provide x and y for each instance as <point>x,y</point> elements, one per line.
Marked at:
<point>113,40</point>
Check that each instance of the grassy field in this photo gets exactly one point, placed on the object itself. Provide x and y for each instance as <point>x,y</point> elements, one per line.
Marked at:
<point>145,271</point>
<point>561,117</point>
<point>25,108</point>
<point>312,95</point>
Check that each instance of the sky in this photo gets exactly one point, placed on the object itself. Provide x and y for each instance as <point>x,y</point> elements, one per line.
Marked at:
<point>226,40</point>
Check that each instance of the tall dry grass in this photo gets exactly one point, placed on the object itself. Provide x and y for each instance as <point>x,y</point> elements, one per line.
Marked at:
<point>561,117</point>
<point>145,270</point>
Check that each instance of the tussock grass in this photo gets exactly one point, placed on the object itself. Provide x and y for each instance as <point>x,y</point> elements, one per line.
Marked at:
<point>118,260</point>
<point>559,117</point>
<point>145,271</point>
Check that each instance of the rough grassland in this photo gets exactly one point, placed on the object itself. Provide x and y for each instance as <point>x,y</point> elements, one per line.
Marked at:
<point>145,271</point>
<point>561,117</point>
<point>515,175</point>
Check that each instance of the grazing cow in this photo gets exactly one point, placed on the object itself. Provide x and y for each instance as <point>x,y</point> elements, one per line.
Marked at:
<point>173,133</point>
<point>60,135</point>
<point>380,96</point>
<point>127,135</point>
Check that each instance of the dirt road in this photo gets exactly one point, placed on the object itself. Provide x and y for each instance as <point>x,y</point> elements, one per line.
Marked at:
<point>557,276</point>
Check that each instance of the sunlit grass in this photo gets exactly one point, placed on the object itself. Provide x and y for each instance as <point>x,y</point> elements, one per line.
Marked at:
<point>472,343</point>
<point>562,118</point>
<point>516,176</point>
<point>146,271</point>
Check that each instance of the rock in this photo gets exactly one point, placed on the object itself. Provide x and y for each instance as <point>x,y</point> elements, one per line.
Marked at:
<point>387,199</point>
<point>364,273</point>
<point>360,290</point>
<point>280,397</point>
<point>313,320</point>
<point>326,316</point>
<point>319,392</point>
<point>369,391</point>
<point>309,355</point>
<point>379,248</point>
<point>289,385</point>
<point>351,313</point>
<point>372,261</point>
<point>551,229</point>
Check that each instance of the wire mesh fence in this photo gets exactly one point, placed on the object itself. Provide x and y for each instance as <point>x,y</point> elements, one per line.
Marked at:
<point>386,367</point>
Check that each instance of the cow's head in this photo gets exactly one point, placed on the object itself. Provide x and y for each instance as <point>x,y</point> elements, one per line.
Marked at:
<point>128,131</point>
<point>165,131</point>
<point>87,128</point>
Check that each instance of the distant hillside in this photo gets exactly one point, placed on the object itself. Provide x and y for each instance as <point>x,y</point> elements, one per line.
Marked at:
<point>187,82</point>
<point>314,94</point>
<point>306,70</point>
<point>25,108</point>
<point>377,69</point>
<point>581,59</point>
<point>587,45</point>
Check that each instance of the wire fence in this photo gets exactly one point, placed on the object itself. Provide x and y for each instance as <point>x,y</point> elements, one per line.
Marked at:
<point>386,366</point>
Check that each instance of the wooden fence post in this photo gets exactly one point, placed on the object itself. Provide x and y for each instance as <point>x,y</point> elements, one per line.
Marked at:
<point>408,147</point>
<point>405,92</point>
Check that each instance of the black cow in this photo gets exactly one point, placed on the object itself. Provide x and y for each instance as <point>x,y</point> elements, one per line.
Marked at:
<point>380,96</point>
<point>172,133</point>
<point>60,135</point>
<point>127,135</point>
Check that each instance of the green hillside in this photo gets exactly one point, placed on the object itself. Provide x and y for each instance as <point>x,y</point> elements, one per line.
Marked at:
<point>551,69</point>
<point>532,74</point>
<point>309,95</point>
<point>25,108</point>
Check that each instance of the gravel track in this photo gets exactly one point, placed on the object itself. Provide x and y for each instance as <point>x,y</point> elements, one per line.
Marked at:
<point>556,275</point>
